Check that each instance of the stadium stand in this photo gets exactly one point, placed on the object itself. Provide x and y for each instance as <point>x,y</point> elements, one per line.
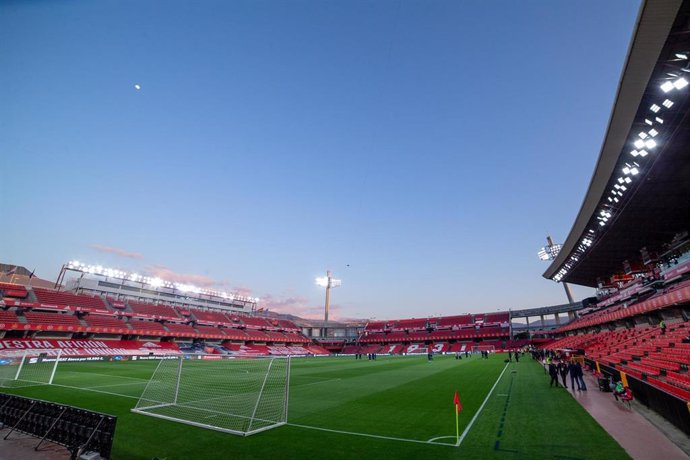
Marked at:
<point>102,321</point>
<point>16,291</point>
<point>52,319</point>
<point>149,310</point>
<point>46,298</point>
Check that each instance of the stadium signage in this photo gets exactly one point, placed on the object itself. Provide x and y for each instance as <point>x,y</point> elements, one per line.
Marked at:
<point>87,347</point>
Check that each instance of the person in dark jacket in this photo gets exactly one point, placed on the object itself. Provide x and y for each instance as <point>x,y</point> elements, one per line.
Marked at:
<point>572,370</point>
<point>580,377</point>
<point>553,372</point>
<point>563,370</point>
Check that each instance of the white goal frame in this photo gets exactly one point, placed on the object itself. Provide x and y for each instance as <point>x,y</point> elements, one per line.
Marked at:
<point>9,378</point>
<point>144,406</point>
<point>476,348</point>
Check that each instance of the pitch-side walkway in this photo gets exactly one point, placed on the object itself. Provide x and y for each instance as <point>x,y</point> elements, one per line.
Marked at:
<point>640,439</point>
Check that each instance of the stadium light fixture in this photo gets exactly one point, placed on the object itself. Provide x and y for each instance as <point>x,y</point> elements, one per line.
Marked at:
<point>682,56</point>
<point>680,83</point>
<point>659,120</point>
<point>666,86</point>
<point>655,108</point>
<point>639,143</point>
<point>653,132</point>
<point>328,282</point>
<point>153,281</point>
<point>668,103</point>
<point>650,143</point>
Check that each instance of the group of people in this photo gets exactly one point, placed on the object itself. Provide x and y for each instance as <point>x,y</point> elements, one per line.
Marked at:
<point>563,368</point>
<point>371,356</point>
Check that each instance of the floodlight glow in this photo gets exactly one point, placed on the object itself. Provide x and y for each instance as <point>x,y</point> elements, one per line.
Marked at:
<point>680,83</point>
<point>155,282</point>
<point>643,153</point>
<point>615,199</point>
<point>634,171</point>
<point>666,87</point>
<point>653,132</point>
<point>626,170</point>
<point>681,55</point>
<point>642,135</point>
<point>650,144</point>
<point>627,180</point>
<point>639,143</point>
<point>602,223</point>
<point>654,108</point>
<point>659,120</point>
<point>649,122</point>
<point>668,103</point>
<point>322,281</point>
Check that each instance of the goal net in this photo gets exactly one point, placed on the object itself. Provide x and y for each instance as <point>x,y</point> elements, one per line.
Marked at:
<point>27,368</point>
<point>235,395</point>
<point>478,348</point>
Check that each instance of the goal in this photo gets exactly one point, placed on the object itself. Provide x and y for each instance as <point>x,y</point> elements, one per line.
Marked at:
<point>238,395</point>
<point>28,368</point>
<point>478,348</point>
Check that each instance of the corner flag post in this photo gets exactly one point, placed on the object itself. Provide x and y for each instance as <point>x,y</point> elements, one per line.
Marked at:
<point>458,408</point>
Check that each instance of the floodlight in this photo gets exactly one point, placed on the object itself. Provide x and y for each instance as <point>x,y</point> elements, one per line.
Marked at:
<point>322,281</point>
<point>650,144</point>
<point>642,135</point>
<point>627,180</point>
<point>634,171</point>
<point>639,143</point>
<point>654,108</point>
<point>680,83</point>
<point>653,132</point>
<point>682,55</point>
<point>626,170</point>
<point>659,120</point>
<point>649,122</point>
<point>667,86</point>
<point>667,103</point>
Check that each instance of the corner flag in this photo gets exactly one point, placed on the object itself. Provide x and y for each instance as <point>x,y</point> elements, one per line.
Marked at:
<point>458,408</point>
<point>456,401</point>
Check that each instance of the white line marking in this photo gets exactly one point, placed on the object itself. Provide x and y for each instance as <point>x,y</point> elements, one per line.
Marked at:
<point>390,438</point>
<point>467,429</point>
<point>431,441</point>
<point>114,385</point>
<point>60,372</point>
<point>95,391</point>
<point>315,383</point>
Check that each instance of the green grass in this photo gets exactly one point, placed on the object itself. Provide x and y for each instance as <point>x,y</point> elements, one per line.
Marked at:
<point>405,398</point>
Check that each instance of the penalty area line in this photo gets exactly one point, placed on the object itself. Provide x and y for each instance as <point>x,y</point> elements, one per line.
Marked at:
<point>376,436</point>
<point>479,411</point>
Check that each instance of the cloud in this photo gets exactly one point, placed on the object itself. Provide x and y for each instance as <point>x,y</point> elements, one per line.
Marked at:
<point>117,251</point>
<point>297,305</point>
<point>167,274</point>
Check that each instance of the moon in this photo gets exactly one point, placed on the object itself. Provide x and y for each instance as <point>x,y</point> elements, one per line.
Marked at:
<point>137,87</point>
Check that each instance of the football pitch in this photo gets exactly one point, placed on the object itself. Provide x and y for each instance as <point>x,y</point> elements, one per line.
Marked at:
<point>393,407</point>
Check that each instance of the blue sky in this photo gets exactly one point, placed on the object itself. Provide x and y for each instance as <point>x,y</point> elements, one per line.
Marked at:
<point>422,150</point>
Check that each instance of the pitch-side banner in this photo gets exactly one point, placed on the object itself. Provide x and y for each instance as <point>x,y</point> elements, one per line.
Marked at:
<point>87,347</point>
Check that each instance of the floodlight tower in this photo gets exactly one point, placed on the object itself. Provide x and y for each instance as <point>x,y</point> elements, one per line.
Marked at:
<point>549,253</point>
<point>328,282</point>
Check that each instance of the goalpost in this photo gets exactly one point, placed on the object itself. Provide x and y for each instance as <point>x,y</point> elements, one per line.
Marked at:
<point>27,369</point>
<point>478,348</point>
<point>241,396</point>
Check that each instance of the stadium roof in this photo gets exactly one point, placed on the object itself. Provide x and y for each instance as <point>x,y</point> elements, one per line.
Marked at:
<point>639,193</point>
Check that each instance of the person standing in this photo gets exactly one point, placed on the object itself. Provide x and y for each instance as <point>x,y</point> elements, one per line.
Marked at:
<point>580,376</point>
<point>563,370</point>
<point>572,370</point>
<point>553,372</point>
<point>662,325</point>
